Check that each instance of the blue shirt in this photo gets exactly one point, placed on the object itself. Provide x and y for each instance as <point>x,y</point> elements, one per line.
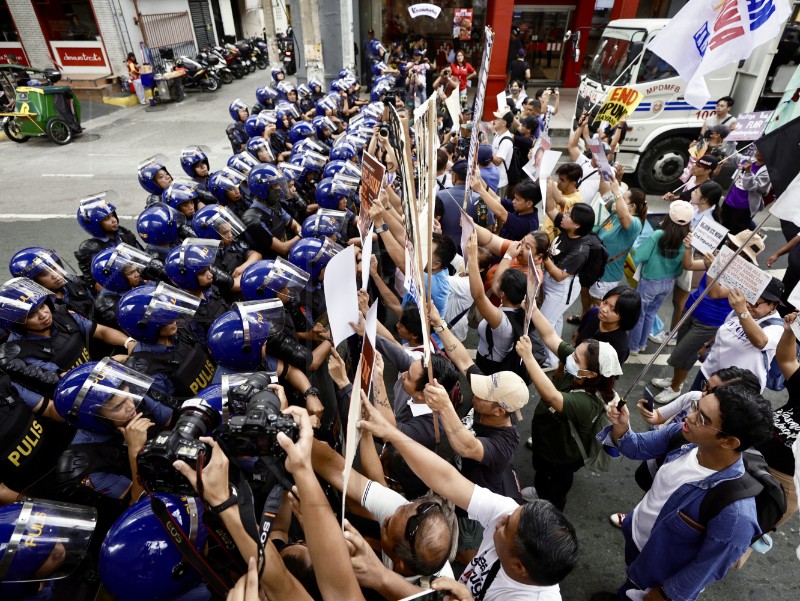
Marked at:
<point>516,226</point>
<point>710,311</point>
<point>452,199</point>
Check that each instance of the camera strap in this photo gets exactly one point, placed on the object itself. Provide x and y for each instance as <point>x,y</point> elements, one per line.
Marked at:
<point>271,507</point>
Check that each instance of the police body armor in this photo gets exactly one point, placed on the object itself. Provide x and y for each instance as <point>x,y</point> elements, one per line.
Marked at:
<point>257,220</point>
<point>186,364</point>
<point>78,298</point>
<point>238,137</point>
<point>89,248</point>
<point>206,313</point>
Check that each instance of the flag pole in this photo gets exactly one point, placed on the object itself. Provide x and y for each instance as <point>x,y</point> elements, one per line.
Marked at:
<point>688,313</point>
<point>611,86</point>
<point>739,151</point>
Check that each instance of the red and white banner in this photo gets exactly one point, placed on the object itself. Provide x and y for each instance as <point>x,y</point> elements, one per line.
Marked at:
<point>81,57</point>
<point>14,48</point>
<point>709,34</point>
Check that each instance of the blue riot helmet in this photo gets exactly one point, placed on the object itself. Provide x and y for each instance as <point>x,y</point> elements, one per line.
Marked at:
<point>224,185</point>
<point>303,91</point>
<point>185,262</point>
<point>376,48</point>
<point>285,88</point>
<point>266,94</point>
<point>338,85</point>
<point>293,173</point>
<point>356,141</point>
<point>286,112</point>
<point>236,337</point>
<point>42,265</point>
<point>139,560</point>
<point>159,224</point>
<point>334,167</point>
<point>300,131</point>
<point>154,176</point>
<point>324,223</point>
<point>267,182</point>
<point>325,196</point>
<point>255,125</point>
<point>234,108</point>
<point>343,151</point>
<point>191,157</point>
<point>266,279</point>
<point>118,269</point>
<point>259,147</point>
<point>243,162</point>
<point>276,72</point>
<point>315,86</point>
<point>93,209</point>
<point>345,74</point>
<point>323,126</point>
<point>43,540</point>
<point>217,222</point>
<point>181,196</point>
<point>143,311</point>
<point>326,106</point>
<point>19,299</point>
<point>100,396</point>
<point>378,92</point>
<point>378,68</point>
<point>313,255</point>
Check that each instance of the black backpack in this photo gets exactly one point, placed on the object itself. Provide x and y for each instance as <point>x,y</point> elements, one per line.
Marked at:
<point>514,172</point>
<point>595,265</point>
<point>512,361</point>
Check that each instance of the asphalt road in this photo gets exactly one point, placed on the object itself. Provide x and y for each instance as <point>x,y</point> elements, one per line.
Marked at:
<point>40,185</point>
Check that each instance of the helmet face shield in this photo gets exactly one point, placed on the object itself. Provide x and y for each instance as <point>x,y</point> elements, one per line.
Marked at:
<point>49,540</point>
<point>191,155</point>
<point>314,160</point>
<point>149,168</point>
<point>19,297</point>
<point>199,247</point>
<point>101,203</point>
<point>126,259</point>
<point>344,185</point>
<point>226,224</point>
<point>285,275</point>
<point>243,162</point>
<point>260,318</point>
<point>291,171</point>
<point>169,304</point>
<point>47,264</point>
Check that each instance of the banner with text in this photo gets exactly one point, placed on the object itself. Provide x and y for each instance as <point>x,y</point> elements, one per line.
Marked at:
<point>741,274</point>
<point>620,103</point>
<point>372,172</point>
<point>708,235</point>
<point>477,115</point>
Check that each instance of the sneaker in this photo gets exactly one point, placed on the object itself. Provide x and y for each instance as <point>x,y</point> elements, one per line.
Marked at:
<point>667,395</point>
<point>616,519</point>
<point>633,353</point>
<point>529,494</point>
<point>661,382</point>
<point>673,341</point>
<point>660,337</point>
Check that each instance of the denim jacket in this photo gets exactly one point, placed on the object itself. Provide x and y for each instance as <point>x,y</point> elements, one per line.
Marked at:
<point>677,556</point>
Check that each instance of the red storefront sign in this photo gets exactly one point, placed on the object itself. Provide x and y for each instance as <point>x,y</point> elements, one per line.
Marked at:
<point>16,52</point>
<point>80,56</point>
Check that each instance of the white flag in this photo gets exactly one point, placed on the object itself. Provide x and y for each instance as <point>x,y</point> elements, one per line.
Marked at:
<point>709,34</point>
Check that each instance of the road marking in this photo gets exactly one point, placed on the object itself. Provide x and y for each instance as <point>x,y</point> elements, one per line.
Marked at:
<point>67,174</point>
<point>28,216</point>
<point>106,154</point>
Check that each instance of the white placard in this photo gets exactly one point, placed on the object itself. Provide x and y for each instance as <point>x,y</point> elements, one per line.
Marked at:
<point>541,145</point>
<point>366,258</point>
<point>502,105</point>
<point>546,167</point>
<point>453,104</point>
<point>708,235</point>
<point>794,297</point>
<point>741,275</point>
<point>342,299</point>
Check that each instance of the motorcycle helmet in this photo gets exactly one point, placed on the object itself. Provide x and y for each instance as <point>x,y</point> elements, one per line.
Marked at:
<point>315,85</point>
<point>19,299</point>
<point>263,280</point>
<point>139,560</point>
<point>143,311</point>
<point>326,106</point>
<point>178,194</point>
<point>266,95</point>
<point>148,171</point>
<point>266,182</point>
<point>276,72</point>
<point>94,209</point>
<point>37,262</point>
<point>191,157</point>
<point>112,267</point>
<point>236,337</point>
<point>257,145</point>
<point>234,108</point>
<point>243,162</point>
<point>42,540</point>
<point>185,262</point>
<point>344,151</point>
<point>300,131</point>
<point>217,222</point>
<point>159,224</point>
<point>223,181</point>
<point>313,255</point>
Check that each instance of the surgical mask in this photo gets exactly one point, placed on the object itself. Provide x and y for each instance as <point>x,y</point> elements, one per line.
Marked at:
<point>571,366</point>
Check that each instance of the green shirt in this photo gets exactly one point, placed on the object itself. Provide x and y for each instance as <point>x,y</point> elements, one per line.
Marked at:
<point>618,241</point>
<point>551,435</point>
<point>657,266</point>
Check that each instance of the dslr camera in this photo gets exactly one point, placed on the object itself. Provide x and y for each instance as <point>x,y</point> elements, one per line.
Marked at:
<point>254,433</point>
<point>196,418</point>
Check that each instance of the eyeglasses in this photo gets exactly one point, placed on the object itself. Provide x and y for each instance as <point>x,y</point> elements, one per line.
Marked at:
<point>694,407</point>
<point>705,389</point>
<point>413,524</point>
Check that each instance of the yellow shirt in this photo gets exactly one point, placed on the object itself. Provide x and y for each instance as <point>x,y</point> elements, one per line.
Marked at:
<point>570,200</point>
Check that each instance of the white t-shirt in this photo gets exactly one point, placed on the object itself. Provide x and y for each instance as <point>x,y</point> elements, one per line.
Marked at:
<point>590,185</point>
<point>733,347</point>
<point>679,408</point>
<point>504,150</point>
<point>443,182</point>
<point>460,298</point>
<point>714,119</point>
<point>503,340</point>
<point>668,479</point>
<point>383,502</point>
<point>488,508</point>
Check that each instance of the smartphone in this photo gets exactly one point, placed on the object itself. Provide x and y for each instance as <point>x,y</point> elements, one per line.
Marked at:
<point>650,400</point>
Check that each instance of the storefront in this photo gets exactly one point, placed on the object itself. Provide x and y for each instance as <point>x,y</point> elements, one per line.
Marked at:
<point>9,37</point>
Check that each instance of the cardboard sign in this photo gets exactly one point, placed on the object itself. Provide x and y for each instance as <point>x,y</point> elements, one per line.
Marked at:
<point>741,274</point>
<point>749,126</point>
<point>599,155</point>
<point>534,282</point>
<point>620,103</point>
<point>708,235</point>
<point>342,299</point>
<point>534,163</point>
<point>549,161</point>
<point>372,172</point>
<point>794,298</point>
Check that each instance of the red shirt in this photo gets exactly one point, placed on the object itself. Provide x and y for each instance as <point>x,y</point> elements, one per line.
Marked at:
<point>462,72</point>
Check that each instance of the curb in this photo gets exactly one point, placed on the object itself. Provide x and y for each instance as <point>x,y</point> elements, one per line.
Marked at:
<point>126,101</point>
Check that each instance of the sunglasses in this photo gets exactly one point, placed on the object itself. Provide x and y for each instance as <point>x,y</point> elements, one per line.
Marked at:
<point>413,524</point>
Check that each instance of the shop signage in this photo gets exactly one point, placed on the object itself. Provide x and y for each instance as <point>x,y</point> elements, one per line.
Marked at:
<point>424,10</point>
<point>80,57</point>
<point>12,48</point>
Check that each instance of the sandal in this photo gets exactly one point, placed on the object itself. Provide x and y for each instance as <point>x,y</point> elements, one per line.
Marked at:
<point>575,320</point>
<point>616,519</point>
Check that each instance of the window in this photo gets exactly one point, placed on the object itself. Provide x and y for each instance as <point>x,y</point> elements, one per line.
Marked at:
<point>67,21</point>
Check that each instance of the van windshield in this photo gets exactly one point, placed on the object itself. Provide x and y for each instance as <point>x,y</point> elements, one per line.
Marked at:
<point>615,51</point>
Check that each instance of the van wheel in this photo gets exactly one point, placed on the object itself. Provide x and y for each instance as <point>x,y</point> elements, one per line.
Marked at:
<point>661,166</point>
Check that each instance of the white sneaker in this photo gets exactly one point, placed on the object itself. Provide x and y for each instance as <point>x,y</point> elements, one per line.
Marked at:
<point>661,382</point>
<point>529,442</point>
<point>660,337</point>
<point>633,353</point>
<point>673,341</point>
<point>529,494</point>
<point>667,395</point>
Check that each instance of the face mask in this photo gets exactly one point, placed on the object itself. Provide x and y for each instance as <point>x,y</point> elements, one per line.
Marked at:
<point>571,366</point>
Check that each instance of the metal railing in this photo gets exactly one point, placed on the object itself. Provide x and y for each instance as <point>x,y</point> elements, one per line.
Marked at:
<point>169,35</point>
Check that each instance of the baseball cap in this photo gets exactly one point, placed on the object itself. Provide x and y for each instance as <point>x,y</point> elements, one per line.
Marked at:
<point>708,161</point>
<point>468,125</point>
<point>505,115</point>
<point>460,168</point>
<point>505,388</point>
<point>681,212</point>
<point>521,52</point>
<point>774,290</point>
<point>754,248</point>
<point>484,154</point>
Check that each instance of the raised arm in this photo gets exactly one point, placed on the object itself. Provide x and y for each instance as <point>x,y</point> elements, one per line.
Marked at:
<point>490,198</point>
<point>544,385</point>
<point>786,353</point>
<point>573,144</point>
<point>551,205</point>
<point>455,350</point>
<point>492,314</point>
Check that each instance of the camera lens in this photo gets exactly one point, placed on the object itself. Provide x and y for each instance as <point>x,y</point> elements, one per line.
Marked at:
<point>196,419</point>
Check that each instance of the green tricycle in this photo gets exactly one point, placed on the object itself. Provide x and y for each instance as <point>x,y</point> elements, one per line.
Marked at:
<point>34,106</point>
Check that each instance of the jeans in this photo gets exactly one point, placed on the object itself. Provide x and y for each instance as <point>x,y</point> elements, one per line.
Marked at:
<point>556,304</point>
<point>652,293</point>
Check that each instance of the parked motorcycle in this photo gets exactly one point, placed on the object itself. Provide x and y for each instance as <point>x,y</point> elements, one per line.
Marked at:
<point>215,65</point>
<point>197,77</point>
<point>262,52</point>
<point>286,46</point>
<point>231,60</point>
<point>248,50</point>
<point>246,63</point>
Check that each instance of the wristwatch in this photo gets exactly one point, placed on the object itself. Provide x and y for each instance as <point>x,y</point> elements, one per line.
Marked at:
<point>381,228</point>
<point>440,328</point>
<point>744,314</point>
<point>311,391</point>
<point>232,500</point>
